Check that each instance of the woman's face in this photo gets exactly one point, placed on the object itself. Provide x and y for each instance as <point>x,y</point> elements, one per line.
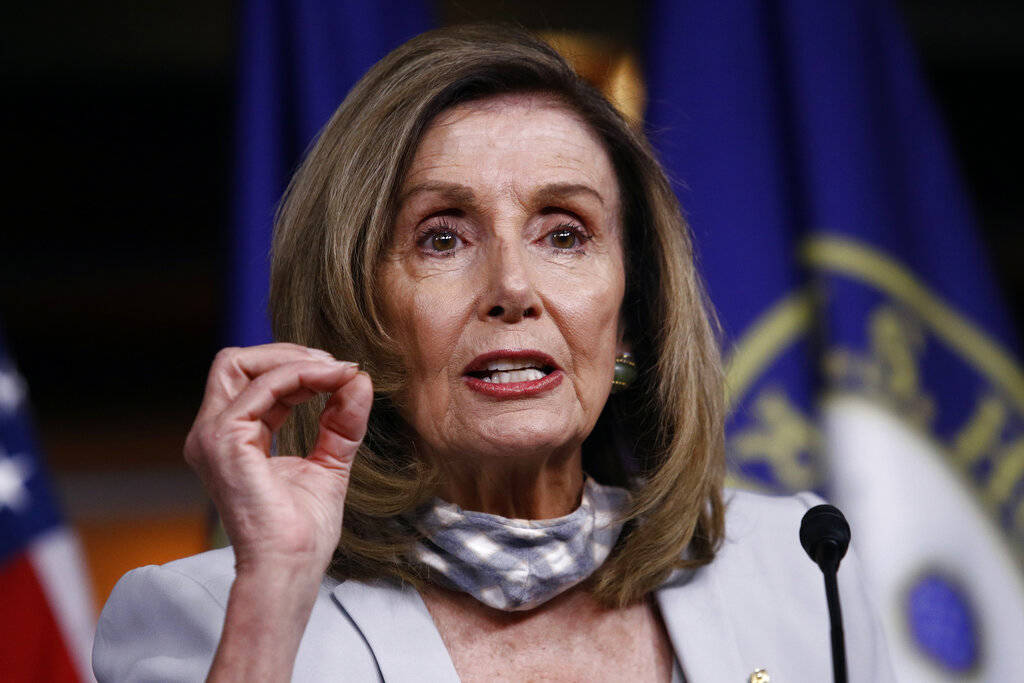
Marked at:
<point>504,280</point>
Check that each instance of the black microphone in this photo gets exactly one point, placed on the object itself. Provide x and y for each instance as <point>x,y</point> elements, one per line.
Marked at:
<point>825,535</point>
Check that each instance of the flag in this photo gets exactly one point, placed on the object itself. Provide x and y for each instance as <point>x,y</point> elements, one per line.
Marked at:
<point>46,613</point>
<point>298,60</point>
<point>869,356</point>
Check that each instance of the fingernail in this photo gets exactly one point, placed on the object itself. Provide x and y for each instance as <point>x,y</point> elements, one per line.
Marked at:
<point>320,353</point>
<point>347,364</point>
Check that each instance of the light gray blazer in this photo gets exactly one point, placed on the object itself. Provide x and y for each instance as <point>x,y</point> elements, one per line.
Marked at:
<point>759,604</point>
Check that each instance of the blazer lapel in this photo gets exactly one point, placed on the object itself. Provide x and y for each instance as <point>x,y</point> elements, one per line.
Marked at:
<point>407,647</point>
<point>702,636</point>
<point>399,630</point>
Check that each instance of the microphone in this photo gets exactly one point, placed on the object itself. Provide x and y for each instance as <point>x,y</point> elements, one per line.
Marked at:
<point>825,535</point>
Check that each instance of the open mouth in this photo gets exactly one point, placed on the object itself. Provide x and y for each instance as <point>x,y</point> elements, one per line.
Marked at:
<point>509,371</point>
<point>511,367</point>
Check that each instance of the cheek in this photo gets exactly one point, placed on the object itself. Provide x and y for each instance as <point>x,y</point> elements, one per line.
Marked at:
<point>425,321</point>
<point>589,311</point>
<point>436,324</point>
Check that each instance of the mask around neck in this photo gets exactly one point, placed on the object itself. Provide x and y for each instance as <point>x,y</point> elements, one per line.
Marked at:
<point>518,564</point>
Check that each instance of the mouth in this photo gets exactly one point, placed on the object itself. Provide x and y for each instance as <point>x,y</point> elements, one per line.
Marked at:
<point>509,367</point>
<point>509,373</point>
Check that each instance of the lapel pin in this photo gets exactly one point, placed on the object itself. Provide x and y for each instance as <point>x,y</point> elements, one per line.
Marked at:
<point>760,676</point>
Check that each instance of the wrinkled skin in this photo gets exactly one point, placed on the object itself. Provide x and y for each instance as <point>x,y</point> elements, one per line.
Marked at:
<point>508,237</point>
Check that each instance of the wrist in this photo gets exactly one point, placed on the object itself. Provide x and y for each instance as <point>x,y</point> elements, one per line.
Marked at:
<point>279,571</point>
<point>268,607</point>
<point>269,562</point>
<point>284,591</point>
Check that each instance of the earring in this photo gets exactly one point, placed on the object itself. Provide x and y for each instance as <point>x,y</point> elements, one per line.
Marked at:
<point>625,372</point>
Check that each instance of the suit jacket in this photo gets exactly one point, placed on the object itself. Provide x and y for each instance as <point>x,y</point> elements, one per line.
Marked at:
<point>759,604</point>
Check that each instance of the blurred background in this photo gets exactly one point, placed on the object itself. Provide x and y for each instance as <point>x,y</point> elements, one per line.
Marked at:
<point>119,133</point>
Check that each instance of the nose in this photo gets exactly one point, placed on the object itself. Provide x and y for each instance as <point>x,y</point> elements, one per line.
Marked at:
<point>511,295</point>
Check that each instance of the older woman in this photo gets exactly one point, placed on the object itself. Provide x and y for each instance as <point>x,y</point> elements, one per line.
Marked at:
<point>497,249</point>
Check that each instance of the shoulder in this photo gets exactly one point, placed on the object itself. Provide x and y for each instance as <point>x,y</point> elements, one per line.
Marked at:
<point>757,522</point>
<point>742,506</point>
<point>163,623</point>
<point>760,561</point>
<point>770,598</point>
<point>761,555</point>
<point>741,501</point>
<point>172,612</point>
<point>210,574</point>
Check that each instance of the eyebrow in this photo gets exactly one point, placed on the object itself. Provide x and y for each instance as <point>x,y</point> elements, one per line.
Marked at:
<point>556,191</point>
<point>552,192</point>
<point>452,191</point>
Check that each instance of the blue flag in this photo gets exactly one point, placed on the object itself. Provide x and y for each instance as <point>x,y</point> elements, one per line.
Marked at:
<point>868,354</point>
<point>298,61</point>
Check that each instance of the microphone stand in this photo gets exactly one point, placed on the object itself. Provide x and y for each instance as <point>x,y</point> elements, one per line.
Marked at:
<point>828,559</point>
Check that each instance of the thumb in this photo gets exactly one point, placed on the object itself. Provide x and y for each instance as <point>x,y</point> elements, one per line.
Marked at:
<point>343,425</point>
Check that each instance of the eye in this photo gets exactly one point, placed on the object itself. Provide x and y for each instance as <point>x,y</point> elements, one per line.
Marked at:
<point>443,241</point>
<point>440,240</point>
<point>566,237</point>
<point>563,239</point>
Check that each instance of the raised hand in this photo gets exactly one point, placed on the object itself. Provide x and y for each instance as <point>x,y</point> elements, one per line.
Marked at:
<point>283,514</point>
<point>285,509</point>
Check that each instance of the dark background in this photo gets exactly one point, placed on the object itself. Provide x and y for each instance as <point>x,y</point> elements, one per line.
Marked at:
<point>117,122</point>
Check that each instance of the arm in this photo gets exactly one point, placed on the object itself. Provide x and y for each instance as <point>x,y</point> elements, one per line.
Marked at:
<point>266,617</point>
<point>282,514</point>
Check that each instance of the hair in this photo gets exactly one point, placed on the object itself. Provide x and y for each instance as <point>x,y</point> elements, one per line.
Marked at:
<point>662,438</point>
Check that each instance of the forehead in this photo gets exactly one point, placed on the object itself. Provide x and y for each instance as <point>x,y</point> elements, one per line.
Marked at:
<point>521,139</point>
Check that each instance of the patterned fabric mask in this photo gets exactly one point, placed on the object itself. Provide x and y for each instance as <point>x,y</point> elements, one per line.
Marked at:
<point>518,564</point>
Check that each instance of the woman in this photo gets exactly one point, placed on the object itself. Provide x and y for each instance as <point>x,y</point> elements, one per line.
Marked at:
<point>483,233</point>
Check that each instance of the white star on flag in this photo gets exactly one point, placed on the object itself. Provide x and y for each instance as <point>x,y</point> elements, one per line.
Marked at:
<point>12,390</point>
<point>14,472</point>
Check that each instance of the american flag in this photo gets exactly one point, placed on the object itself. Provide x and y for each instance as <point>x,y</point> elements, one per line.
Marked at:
<point>46,611</point>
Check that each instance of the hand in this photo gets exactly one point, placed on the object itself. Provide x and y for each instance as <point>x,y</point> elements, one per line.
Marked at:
<point>283,512</point>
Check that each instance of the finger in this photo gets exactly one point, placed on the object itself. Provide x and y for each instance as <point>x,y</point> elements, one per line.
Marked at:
<point>248,424</point>
<point>234,368</point>
<point>343,425</point>
<point>275,417</point>
<point>287,385</point>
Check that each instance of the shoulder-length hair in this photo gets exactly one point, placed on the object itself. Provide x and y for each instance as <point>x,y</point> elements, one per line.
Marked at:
<point>662,438</point>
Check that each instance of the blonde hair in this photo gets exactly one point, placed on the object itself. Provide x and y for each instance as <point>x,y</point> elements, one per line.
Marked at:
<point>662,438</point>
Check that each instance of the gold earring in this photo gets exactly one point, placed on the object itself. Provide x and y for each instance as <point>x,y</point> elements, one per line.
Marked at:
<point>625,372</point>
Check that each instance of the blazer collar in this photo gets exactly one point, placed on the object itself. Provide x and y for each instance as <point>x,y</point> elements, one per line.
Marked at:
<point>399,630</point>
<point>407,647</point>
<point>698,625</point>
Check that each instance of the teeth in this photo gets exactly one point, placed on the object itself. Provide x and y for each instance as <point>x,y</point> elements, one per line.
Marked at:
<point>527,375</point>
<point>505,364</point>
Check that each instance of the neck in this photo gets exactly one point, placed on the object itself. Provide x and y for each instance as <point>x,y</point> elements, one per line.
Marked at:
<point>536,489</point>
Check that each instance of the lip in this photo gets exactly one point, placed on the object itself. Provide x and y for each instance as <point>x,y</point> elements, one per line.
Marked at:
<point>513,389</point>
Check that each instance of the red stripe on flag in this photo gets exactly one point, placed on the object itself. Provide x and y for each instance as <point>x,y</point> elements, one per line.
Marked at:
<point>32,647</point>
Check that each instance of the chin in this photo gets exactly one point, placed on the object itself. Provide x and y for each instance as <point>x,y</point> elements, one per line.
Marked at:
<point>527,434</point>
